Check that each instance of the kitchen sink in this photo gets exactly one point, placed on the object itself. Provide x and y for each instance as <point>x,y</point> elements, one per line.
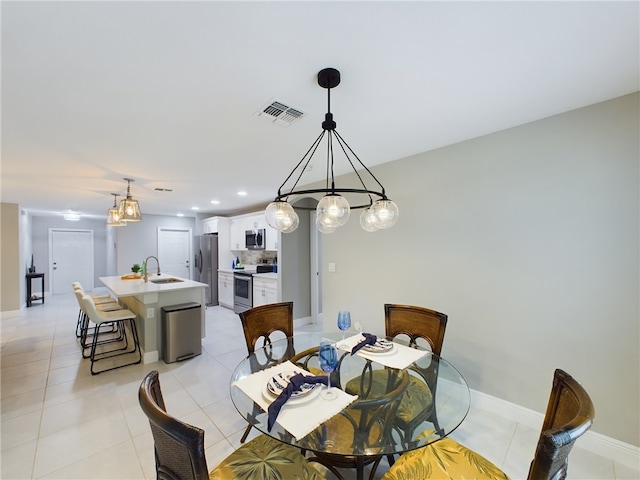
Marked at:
<point>166,280</point>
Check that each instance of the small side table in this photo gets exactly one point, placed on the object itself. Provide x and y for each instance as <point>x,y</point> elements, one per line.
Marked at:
<point>31,276</point>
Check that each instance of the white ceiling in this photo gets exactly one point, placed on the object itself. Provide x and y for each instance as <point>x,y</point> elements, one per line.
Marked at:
<point>168,92</point>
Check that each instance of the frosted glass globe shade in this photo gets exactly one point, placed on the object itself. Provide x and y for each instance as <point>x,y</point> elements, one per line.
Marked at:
<point>281,216</point>
<point>386,214</point>
<point>324,228</point>
<point>368,220</point>
<point>333,210</point>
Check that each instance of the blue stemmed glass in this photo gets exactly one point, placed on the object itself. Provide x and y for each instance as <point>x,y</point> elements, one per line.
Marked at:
<point>344,322</point>
<point>328,356</point>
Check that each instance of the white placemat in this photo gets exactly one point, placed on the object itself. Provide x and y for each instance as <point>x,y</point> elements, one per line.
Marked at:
<point>400,357</point>
<point>302,415</point>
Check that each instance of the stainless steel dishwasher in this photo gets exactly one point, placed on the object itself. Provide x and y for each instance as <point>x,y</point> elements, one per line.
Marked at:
<point>181,332</point>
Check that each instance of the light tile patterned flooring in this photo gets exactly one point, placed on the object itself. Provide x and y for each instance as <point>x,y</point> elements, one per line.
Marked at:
<point>60,422</point>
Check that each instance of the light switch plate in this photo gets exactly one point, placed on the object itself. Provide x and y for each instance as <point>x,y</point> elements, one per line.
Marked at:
<point>332,267</point>
<point>151,312</point>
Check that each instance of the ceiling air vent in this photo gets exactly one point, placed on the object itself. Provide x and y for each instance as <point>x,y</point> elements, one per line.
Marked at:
<point>280,114</point>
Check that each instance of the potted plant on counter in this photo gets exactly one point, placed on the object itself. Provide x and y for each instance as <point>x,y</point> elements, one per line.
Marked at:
<point>137,270</point>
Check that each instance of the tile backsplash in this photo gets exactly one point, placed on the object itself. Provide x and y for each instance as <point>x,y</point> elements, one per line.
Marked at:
<point>254,257</point>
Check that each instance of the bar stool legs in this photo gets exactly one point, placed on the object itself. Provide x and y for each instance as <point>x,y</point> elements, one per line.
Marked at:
<point>99,351</point>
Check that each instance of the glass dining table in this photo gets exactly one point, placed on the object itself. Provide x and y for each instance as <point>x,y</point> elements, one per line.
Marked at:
<point>377,396</point>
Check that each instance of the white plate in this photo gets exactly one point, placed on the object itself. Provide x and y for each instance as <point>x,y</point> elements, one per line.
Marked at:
<point>381,346</point>
<point>313,393</point>
<point>279,382</point>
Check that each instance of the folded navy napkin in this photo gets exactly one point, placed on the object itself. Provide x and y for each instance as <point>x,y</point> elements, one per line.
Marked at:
<point>295,383</point>
<point>369,339</point>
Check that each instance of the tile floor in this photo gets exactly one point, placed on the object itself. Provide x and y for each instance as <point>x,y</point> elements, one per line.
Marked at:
<point>59,422</point>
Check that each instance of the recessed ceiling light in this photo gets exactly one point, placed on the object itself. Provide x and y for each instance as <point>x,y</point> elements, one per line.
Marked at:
<point>195,208</point>
<point>72,216</point>
<point>215,202</point>
<point>180,214</point>
<point>242,193</point>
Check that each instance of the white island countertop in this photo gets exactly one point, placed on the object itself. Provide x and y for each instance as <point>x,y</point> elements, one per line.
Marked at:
<point>129,288</point>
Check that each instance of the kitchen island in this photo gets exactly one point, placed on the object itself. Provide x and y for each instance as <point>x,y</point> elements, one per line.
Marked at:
<point>146,301</point>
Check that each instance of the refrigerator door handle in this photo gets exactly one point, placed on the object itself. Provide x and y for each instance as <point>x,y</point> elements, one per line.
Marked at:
<point>199,264</point>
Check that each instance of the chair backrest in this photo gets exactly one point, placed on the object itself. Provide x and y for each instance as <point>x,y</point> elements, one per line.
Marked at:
<point>569,415</point>
<point>415,322</point>
<point>261,322</point>
<point>179,447</point>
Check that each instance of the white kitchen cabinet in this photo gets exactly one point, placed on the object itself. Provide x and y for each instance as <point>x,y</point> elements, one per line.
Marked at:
<point>212,225</point>
<point>265,290</point>
<point>225,289</point>
<point>237,229</point>
<point>273,237</point>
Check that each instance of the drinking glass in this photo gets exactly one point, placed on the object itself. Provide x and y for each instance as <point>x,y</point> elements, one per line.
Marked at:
<point>344,322</point>
<point>328,356</point>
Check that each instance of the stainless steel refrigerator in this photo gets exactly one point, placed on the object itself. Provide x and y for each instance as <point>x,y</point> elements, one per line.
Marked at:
<point>206,262</point>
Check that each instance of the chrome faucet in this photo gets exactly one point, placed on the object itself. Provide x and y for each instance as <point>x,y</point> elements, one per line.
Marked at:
<point>146,267</point>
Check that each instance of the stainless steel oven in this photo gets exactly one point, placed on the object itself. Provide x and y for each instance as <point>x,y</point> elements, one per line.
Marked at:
<point>242,291</point>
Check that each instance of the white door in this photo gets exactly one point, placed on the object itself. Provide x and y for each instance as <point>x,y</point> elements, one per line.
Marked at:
<point>174,252</point>
<point>71,254</point>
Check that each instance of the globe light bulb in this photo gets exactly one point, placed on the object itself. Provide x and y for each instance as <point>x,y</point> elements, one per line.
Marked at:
<point>282,216</point>
<point>386,214</point>
<point>368,220</point>
<point>333,210</point>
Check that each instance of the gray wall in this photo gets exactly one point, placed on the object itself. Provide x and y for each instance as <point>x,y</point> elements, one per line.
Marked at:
<point>138,240</point>
<point>12,274</point>
<point>528,240</point>
<point>294,266</point>
<point>40,244</point>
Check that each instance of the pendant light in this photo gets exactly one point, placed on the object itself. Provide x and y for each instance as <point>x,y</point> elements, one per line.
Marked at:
<point>129,210</point>
<point>333,209</point>
<point>113,214</point>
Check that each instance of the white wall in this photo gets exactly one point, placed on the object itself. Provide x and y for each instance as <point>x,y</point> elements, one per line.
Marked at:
<point>528,240</point>
<point>138,240</point>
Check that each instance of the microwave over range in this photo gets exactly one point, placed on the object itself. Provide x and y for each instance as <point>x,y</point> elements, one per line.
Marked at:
<point>254,239</point>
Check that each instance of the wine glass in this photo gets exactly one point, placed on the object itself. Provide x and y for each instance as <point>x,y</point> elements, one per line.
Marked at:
<point>344,322</point>
<point>328,356</point>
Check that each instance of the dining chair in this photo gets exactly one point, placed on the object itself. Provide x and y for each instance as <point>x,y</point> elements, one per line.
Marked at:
<point>364,427</point>
<point>180,455</point>
<point>259,324</point>
<point>118,318</point>
<point>417,405</point>
<point>569,415</point>
<point>103,299</point>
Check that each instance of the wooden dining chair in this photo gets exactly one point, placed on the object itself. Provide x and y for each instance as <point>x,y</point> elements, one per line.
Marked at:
<point>364,427</point>
<point>259,324</point>
<point>569,415</point>
<point>180,455</point>
<point>417,405</point>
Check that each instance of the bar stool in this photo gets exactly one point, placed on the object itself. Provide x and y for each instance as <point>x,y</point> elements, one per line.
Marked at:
<point>104,302</point>
<point>83,324</point>
<point>99,299</point>
<point>117,317</point>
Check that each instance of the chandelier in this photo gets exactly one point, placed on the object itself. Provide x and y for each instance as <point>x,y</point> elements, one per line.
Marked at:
<point>333,209</point>
<point>129,210</point>
<point>113,214</point>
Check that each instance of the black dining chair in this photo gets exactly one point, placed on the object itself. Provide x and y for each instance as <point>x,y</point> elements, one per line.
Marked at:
<point>569,415</point>
<point>180,455</point>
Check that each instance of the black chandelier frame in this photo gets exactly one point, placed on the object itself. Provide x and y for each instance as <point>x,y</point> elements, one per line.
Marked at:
<point>330,78</point>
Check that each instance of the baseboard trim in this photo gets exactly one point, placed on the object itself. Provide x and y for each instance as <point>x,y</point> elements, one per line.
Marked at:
<point>299,322</point>
<point>11,313</point>
<point>619,451</point>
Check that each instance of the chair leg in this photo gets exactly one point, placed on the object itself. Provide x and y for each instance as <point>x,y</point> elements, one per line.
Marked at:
<point>246,433</point>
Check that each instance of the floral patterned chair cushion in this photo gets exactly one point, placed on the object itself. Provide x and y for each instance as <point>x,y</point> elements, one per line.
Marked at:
<point>265,458</point>
<point>445,459</point>
<point>415,399</point>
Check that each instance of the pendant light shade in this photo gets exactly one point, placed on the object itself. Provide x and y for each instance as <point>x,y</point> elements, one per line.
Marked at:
<point>129,210</point>
<point>113,214</point>
<point>333,209</point>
